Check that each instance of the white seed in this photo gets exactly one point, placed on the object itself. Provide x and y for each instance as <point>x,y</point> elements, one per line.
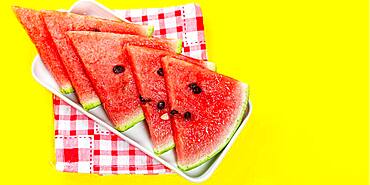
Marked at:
<point>165,116</point>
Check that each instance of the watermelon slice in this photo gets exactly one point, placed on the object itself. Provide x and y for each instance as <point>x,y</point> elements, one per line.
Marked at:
<point>106,64</point>
<point>34,25</point>
<point>58,23</point>
<point>146,67</point>
<point>206,108</point>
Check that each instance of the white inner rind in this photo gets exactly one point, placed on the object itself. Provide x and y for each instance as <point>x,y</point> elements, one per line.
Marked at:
<point>164,148</point>
<point>176,45</point>
<point>211,66</point>
<point>91,103</point>
<point>130,123</point>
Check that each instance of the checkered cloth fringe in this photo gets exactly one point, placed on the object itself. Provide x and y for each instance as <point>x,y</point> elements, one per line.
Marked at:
<point>84,146</point>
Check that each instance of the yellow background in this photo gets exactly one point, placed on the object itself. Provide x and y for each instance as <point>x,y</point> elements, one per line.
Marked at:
<point>307,66</point>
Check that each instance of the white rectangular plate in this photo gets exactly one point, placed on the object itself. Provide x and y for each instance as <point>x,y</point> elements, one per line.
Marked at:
<point>137,135</point>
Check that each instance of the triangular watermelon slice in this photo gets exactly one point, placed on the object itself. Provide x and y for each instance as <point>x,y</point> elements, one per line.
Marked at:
<point>34,25</point>
<point>58,23</point>
<point>107,66</point>
<point>148,75</point>
<point>206,108</point>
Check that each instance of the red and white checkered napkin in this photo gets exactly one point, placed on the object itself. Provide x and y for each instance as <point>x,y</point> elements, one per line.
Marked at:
<point>82,145</point>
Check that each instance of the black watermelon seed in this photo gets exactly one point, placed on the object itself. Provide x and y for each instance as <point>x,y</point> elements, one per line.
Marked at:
<point>197,90</point>
<point>118,69</point>
<point>192,85</point>
<point>187,116</point>
<point>173,112</point>
<point>143,100</point>
<point>160,72</point>
<point>96,30</point>
<point>161,105</point>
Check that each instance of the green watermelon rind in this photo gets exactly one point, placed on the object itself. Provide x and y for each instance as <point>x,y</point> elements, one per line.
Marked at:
<point>130,123</point>
<point>222,146</point>
<point>178,46</point>
<point>150,31</point>
<point>91,105</point>
<point>165,149</point>
<point>66,90</point>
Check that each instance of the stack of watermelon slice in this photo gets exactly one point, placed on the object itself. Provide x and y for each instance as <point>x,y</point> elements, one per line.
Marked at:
<point>185,103</point>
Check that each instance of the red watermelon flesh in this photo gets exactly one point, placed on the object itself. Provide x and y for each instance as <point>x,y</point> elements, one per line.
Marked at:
<point>210,108</point>
<point>145,65</point>
<point>100,53</point>
<point>34,25</point>
<point>58,23</point>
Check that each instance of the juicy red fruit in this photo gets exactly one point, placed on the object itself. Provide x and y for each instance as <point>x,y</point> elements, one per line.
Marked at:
<point>108,68</point>
<point>149,80</point>
<point>33,23</point>
<point>211,106</point>
<point>58,23</point>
